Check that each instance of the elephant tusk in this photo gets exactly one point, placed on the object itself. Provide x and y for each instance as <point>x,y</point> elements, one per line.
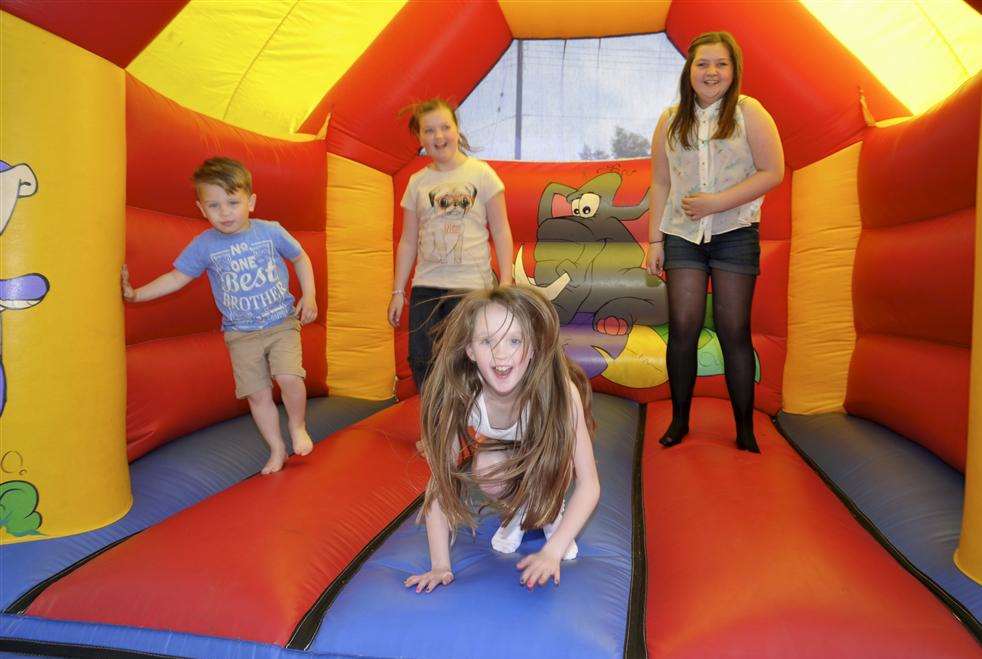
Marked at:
<point>518,271</point>
<point>551,291</point>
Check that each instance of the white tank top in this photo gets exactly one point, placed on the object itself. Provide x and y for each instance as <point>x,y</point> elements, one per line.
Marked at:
<point>478,420</point>
<point>713,166</point>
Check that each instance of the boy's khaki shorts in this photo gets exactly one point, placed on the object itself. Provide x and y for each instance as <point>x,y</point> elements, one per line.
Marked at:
<point>263,353</point>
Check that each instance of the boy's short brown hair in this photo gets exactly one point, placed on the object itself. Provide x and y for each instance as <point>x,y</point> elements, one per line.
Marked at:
<point>229,174</point>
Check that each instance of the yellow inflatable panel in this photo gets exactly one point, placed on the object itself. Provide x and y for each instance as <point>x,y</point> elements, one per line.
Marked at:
<point>946,36</point>
<point>543,19</point>
<point>63,466</point>
<point>968,557</point>
<point>360,359</point>
<point>262,66</point>
<point>825,226</point>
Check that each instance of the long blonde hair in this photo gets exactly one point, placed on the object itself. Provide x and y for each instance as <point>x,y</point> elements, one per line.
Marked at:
<point>540,469</point>
<point>681,128</point>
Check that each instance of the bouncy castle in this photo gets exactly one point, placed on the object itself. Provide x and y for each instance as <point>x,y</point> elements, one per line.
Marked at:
<point>133,520</point>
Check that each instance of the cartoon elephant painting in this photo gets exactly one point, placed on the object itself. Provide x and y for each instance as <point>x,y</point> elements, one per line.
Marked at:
<point>588,261</point>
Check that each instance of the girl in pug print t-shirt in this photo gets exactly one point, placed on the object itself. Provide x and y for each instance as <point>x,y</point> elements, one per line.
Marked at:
<point>450,207</point>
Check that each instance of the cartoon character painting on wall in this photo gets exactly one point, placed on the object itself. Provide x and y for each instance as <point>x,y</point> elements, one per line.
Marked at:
<point>583,235</point>
<point>26,290</point>
<point>18,498</point>
<point>614,314</point>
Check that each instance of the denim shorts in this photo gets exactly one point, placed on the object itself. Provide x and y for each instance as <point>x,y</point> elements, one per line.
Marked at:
<point>734,251</point>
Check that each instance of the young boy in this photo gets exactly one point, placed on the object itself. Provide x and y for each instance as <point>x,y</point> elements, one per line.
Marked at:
<point>250,283</point>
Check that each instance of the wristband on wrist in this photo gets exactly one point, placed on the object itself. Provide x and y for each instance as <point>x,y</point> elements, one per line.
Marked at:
<point>655,242</point>
<point>398,292</point>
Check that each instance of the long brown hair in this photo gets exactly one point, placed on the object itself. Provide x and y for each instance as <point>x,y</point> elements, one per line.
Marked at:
<point>540,468</point>
<point>418,109</point>
<point>683,123</point>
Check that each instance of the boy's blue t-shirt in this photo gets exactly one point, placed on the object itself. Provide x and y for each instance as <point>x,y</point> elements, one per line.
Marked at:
<point>248,275</point>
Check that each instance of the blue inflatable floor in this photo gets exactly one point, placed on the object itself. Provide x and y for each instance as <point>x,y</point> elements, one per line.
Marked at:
<point>485,612</point>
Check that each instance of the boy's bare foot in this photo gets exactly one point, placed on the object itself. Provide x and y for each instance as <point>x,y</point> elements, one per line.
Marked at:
<point>275,462</point>
<point>302,444</point>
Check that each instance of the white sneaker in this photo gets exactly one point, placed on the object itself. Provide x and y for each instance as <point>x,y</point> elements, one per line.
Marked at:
<point>509,536</point>
<point>551,527</point>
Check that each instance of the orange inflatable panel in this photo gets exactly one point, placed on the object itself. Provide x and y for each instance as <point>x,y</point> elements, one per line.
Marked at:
<point>752,556</point>
<point>775,214</point>
<point>925,167</point>
<point>918,389</point>
<point>165,143</point>
<point>915,279</point>
<point>249,562</point>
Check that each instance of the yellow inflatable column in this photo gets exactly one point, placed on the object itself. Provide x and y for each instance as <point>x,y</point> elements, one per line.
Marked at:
<point>360,354</point>
<point>825,226</point>
<point>63,173</point>
<point>968,556</point>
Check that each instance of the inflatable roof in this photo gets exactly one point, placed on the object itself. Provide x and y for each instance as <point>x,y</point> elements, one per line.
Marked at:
<point>272,67</point>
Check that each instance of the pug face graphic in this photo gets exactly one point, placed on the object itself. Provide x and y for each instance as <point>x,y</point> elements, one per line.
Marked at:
<point>452,200</point>
<point>442,237</point>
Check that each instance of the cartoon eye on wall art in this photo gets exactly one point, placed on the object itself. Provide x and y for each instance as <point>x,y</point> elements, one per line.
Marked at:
<point>27,290</point>
<point>614,314</point>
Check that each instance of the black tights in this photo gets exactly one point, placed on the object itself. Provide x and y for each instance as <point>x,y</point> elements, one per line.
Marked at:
<point>732,297</point>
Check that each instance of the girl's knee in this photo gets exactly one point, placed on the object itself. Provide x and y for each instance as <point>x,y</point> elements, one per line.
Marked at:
<point>685,333</point>
<point>733,333</point>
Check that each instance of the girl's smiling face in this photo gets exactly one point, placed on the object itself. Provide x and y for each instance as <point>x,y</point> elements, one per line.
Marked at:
<point>712,73</point>
<point>499,349</point>
<point>439,135</point>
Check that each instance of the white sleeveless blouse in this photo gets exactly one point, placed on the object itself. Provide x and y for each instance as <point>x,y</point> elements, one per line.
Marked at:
<point>713,166</point>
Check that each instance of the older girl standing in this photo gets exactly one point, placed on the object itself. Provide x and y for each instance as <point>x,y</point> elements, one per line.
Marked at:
<point>714,155</point>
